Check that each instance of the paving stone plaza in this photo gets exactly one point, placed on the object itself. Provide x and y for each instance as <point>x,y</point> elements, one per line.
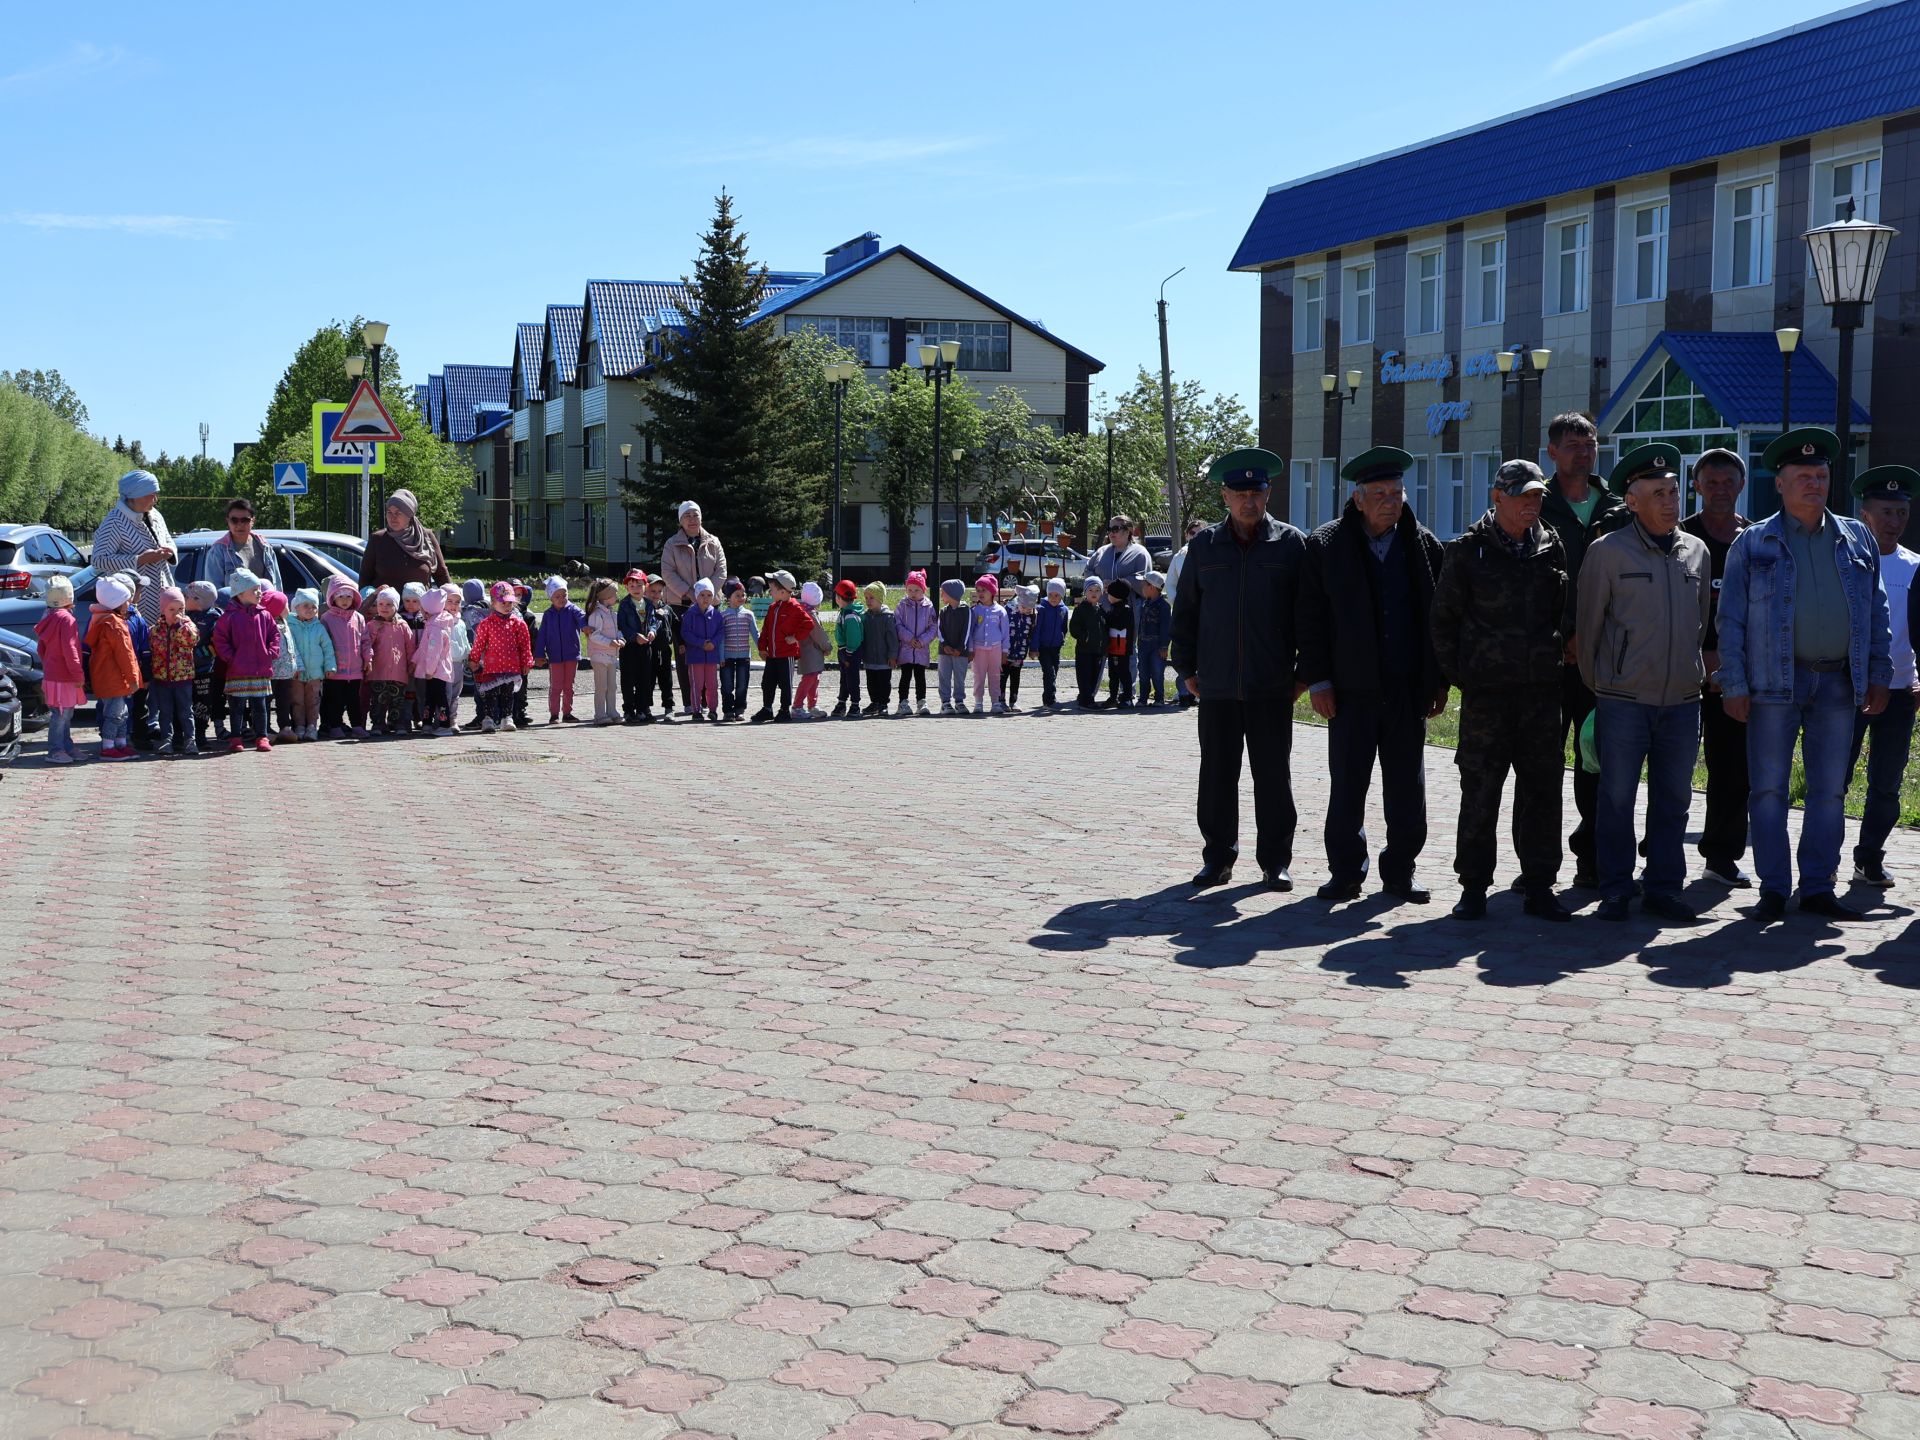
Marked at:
<point>891,1084</point>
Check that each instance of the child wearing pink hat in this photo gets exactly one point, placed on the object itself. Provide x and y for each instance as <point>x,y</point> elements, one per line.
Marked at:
<point>989,645</point>
<point>502,653</point>
<point>917,627</point>
<point>171,643</point>
<point>286,665</point>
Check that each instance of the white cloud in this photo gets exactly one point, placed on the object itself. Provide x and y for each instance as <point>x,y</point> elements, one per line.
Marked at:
<point>1636,33</point>
<point>81,59</point>
<point>175,227</point>
<point>834,152</point>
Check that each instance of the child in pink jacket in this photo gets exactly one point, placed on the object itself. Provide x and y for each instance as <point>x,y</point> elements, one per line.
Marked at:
<point>388,658</point>
<point>433,661</point>
<point>340,687</point>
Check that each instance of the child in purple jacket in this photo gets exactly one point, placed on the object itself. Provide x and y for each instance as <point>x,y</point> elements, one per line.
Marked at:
<point>557,641</point>
<point>918,627</point>
<point>247,638</point>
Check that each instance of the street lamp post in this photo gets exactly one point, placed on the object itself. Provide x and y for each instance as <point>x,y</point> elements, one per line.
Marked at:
<point>936,363</point>
<point>1512,372</point>
<point>1847,256</point>
<point>1330,390</point>
<point>1109,516</point>
<point>626,457</point>
<point>959,528</point>
<point>356,367</point>
<point>839,375</point>
<point>375,333</point>
<point>1788,339</point>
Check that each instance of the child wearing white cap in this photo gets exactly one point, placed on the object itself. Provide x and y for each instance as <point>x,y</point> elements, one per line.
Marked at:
<point>956,646</point>
<point>114,667</point>
<point>1049,637</point>
<point>557,641</point>
<point>702,634</point>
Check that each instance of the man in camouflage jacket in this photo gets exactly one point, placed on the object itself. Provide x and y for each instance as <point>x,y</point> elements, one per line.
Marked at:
<point>1499,632</point>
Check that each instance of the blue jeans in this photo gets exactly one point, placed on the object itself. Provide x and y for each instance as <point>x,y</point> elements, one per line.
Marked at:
<point>113,722</point>
<point>1821,718</point>
<point>1666,738</point>
<point>173,713</point>
<point>734,674</point>
<point>1892,732</point>
<point>60,732</point>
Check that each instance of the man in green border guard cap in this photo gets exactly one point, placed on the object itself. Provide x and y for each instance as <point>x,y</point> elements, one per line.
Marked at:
<point>1804,645</point>
<point>1885,495</point>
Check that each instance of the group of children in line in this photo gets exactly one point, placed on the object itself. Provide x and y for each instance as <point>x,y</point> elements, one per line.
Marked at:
<point>390,663</point>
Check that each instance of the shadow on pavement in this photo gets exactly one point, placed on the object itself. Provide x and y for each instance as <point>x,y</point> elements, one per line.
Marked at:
<point>1207,925</point>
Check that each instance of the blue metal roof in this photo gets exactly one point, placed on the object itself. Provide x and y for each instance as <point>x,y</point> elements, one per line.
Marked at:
<point>1856,65</point>
<point>625,313</point>
<point>437,404</point>
<point>471,388</point>
<point>787,299</point>
<point>529,338</point>
<point>420,393</point>
<point>1740,373</point>
<point>489,420</point>
<point>563,341</point>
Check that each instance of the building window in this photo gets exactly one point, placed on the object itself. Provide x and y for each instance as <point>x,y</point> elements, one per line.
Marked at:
<point>1490,286</point>
<point>1356,300</point>
<point>1450,507</point>
<point>596,438</point>
<point>1300,493</point>
<point>1644,255</point>
<point>1054,425</point>
<point>590,371</point>
<point>522,521</point>
<point>554,452</point>
<point>1415,484</point>
<point>519,457</point>
<point>984,344</point>
<point>556,527</point>
<point>594,517</point>
<point>519,397</point>
<point>1428,310</point>
<point>1746,235</point>
<point>1858,180</point>
<point>479,482</point>
<point>1309,312</point>
<point>864,335</point>
<point>1567,268</point>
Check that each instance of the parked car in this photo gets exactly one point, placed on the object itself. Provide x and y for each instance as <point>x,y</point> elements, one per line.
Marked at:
<point>344,551</point>
<point>12,726</point>
<point>31,553</point>
<point>1031,558</point>
<point>1160,548</point>
<point>20,663</point>
<point>301,565</point>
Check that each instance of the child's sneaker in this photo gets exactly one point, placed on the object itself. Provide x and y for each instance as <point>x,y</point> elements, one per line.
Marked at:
<point>235,744</point>
<point>999,707</point>
<point>946,708</point>
<point>979,707</point>
<point>443,731</point>
<point>507,725</point>
<point>487,726</point>
<point>762,715</point>
<point>905,707</point>
<point>923,708</point>
<point>571,718</point>
<point>59,757</point>
<point>263,744</point>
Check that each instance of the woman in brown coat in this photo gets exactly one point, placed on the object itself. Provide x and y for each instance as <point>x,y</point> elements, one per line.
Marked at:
<point>406,552</point>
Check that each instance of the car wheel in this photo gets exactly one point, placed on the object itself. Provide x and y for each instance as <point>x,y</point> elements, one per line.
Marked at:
<point>10,719</point>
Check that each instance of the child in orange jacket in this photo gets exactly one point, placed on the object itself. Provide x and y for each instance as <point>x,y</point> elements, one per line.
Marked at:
<point>786,625</point>
<point>114,667</point>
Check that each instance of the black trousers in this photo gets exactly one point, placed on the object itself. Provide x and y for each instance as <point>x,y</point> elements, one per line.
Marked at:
<point>339,702</point>
<point>1576,703</point>
<point>1393,729</point>
<point>1049,672</point>
<point>1723,744</point>
<point>1120,679</point>
<point>677,614</point>
<point>851,678</point>
<point>917,674</point>
<point>1086,670</point>
<point>777,678</point>
<point>879,686</point>
<point>1010,671</point>
<point>1502,730</point>
<point>636,680</point>
<point>1264,730</point>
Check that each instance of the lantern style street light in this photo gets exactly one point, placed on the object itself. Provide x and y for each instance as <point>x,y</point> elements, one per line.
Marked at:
<point>1512,372</point>
<point>1847,256</point>
<point>936,363</point>
<point>839,375</point>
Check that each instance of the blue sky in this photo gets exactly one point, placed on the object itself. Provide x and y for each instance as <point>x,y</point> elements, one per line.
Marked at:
<point>192,189</point>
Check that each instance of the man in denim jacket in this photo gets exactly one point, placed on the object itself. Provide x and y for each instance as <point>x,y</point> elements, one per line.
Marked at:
<point>1804,644</point>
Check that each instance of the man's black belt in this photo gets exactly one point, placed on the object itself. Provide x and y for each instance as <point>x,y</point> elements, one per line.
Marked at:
<point>1823,667</point>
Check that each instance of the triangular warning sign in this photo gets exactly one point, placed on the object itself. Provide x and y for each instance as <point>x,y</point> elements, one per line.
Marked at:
<point>366,419</point>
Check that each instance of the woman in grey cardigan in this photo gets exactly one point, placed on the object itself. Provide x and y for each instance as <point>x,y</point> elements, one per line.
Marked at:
<point>134,536</point>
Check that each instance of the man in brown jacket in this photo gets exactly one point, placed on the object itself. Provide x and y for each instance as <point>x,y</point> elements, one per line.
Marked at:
<point>1645,595</point>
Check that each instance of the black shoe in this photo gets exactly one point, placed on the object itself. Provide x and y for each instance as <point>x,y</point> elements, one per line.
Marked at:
<point>839,710</point>
<point>1338,890</point>
<point>1872,872</point>
<point>783,718</point>
<point>1668,907</point>
<point>1586,878</point>
<point>1772,906</point>
<point>1824,904</point>
<point>761,716</point>
<point>1543,904</point>
<point>1472,904</point>
<point>1276,880</point>
<point>1409,890</point>
<point>1614,907</point>
<point>1729,874</point>
<point>1208,876</point>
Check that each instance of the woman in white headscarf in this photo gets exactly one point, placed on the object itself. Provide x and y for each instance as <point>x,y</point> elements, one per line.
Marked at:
<point>406,552</point>
<point>134,537</point>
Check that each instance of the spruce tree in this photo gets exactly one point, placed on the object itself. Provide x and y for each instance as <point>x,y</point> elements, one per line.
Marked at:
<point>725,416</point>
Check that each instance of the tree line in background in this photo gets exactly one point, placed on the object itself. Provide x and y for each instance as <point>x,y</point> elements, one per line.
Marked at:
<point>743,419</point>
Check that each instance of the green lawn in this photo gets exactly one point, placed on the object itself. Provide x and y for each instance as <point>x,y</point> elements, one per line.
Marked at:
<point>1444,730</point>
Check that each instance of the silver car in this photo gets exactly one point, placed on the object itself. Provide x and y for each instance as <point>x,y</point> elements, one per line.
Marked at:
<point>29,554</point>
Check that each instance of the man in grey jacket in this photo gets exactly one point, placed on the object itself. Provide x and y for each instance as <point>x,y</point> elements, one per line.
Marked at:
<point>1645,595</point>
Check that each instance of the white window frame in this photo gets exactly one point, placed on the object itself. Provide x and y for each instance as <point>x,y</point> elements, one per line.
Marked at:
<point>1352,311</point>
<point>1416,299</point>
<point>1452,512</point>
<point>1309,334</point>
<point>1480,269</point>
<point>1866,202</point>
<point>1560,303</point>
<point>1300,493</point>
<point>1327,491</point>
<point>1759,222</point>
<point>1415,484</point>
<point>1631,243</point>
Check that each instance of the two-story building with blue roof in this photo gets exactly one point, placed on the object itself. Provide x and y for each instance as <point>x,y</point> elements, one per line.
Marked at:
<point>1647,233</point>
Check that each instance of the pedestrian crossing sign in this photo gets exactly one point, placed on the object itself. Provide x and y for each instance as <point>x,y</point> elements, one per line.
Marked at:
<point>333,456</point>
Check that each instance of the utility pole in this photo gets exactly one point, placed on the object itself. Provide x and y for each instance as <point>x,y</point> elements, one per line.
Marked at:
<point>1166,412</point>
<point>204,431</point>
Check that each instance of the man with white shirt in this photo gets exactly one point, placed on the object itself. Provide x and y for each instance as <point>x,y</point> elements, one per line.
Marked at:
<point>1886,500</point>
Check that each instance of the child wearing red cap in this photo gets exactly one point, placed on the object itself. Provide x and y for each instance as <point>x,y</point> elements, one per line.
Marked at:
<point>639,628</point>
<point>850,628</point>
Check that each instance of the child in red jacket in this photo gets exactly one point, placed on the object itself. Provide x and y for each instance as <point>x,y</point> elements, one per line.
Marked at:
<point>502,653</point>
<point>786,625</point>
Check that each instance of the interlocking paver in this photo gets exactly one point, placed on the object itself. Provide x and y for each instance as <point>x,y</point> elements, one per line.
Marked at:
<point>1135,1165</point>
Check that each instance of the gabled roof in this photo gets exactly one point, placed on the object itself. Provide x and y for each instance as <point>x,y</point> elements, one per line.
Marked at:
<point>420,398</point>
<point>437,405</point>
<point>529,338</point>
<point>1739,372</point>
<point>470,389</point>
<point>563,342</point>
<point>624,313</point>
<point>1855,65</point>
<point>488,422</point>
<point>787,299</point>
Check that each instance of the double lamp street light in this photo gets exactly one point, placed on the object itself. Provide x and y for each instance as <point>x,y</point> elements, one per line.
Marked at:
<point>936,363</point>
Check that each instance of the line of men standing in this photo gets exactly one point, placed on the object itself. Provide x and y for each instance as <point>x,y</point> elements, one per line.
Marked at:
<point>1573,607</point>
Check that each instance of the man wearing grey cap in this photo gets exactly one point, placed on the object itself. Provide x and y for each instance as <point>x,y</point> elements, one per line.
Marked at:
<point>1501,614</point>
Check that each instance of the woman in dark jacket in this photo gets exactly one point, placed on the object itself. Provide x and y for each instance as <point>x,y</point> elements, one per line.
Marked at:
<point>406,552</point>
